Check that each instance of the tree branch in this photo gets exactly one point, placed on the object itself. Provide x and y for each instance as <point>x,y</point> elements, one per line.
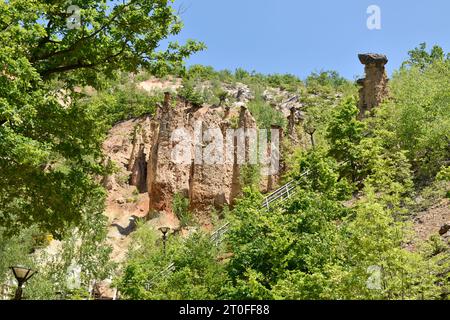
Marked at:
<point>80,64</point>
<point>83,39</point>
<point>7,26</point>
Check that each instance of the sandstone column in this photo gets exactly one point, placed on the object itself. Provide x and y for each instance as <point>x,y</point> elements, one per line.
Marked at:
<point>291,125</point>
<point>374,86</point>
<point>139,170</point>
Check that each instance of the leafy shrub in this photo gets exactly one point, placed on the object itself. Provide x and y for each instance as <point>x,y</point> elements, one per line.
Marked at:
<point>190,93</point>
<point>180,206</point>
<point>196,274</point>
<point>124,102</point>
<point>250,176</point>
<point>265,115</point>
<point>286,82</point>
<point>326,78</point>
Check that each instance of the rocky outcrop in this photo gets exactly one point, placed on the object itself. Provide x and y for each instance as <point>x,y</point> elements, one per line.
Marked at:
<point>240,92</point>
<point>195,151</point>
<point>127,148</point>
<point>103,290</point>
<point>433,221</point>
<point>155,84</point>
<point>374,86</point>
<point>138,170</point>
<point>283,101</point>
<point>292,122</point>
<point>196,167</point>
<point>444,228</point>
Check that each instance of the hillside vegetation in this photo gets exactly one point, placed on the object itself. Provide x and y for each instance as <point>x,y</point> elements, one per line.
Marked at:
<point>348,232</point>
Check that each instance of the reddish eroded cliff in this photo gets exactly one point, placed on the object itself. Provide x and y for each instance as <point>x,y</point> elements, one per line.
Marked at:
<point>191,156</point>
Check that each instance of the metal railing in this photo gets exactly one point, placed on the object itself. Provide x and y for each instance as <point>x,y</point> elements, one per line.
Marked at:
<point>217,236</point>
<point>283,192</point>
<point>163,273</point>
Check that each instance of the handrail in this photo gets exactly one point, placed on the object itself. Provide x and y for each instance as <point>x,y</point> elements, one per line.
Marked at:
<point>283,192</point>
<point>164,272</point>
<point>216,236</point>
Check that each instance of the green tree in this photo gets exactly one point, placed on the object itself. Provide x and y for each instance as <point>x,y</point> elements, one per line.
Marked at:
<point>420,58</point>
<point>190,93</point>
<point>50,143</point>
<point>345,134</point>
<point>367,261</point>
<point>326,78</point>
<point>313,247</point>
<point>416,119</point>
<point>268,244</point>
<point>196,272</point>
<point>322,175</point>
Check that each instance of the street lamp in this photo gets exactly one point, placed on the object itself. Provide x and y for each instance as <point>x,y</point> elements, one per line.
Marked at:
<point>22,275</point>
<point>164,231</point>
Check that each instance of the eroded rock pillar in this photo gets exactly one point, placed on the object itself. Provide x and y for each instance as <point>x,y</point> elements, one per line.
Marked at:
<point>374,86</point>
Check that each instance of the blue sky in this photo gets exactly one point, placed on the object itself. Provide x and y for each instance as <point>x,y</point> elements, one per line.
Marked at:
<point>298,37</point>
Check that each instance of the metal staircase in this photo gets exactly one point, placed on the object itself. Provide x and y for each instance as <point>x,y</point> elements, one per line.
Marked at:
<point>279,195</point>
<point>283,192</point>
<point>217,236</point>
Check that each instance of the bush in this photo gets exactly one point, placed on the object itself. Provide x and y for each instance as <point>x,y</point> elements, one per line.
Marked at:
<point>326,78</point>
<point>196,273</point>
<point>189,93</point>
<point>264,114</point>
<point>124,102</point>
<point>180,206</point>
<point>250,176</point>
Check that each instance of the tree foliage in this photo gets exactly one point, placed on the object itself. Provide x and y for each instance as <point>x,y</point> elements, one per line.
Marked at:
<point>195,272</point>
<point>329,78</point>
<point>420,58</point>
<point>50,141</point>
<point>417,119</point>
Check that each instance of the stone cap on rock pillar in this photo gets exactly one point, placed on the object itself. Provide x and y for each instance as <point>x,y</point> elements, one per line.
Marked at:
<point>368,58</point>
<point>361,81</point>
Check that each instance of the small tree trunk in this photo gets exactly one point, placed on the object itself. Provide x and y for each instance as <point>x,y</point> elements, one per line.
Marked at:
<point>313,142</point>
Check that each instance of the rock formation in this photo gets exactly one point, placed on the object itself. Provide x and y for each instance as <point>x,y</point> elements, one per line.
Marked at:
<point>196,167</point>
<point>128,147</point>
<point>292,122</point>
<point>374,86</point>
<point>139,170</point>
<point>191,150</point>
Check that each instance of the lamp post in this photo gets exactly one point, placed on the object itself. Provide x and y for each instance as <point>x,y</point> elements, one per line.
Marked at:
<point>22,275</point>
<point>164,231</point>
